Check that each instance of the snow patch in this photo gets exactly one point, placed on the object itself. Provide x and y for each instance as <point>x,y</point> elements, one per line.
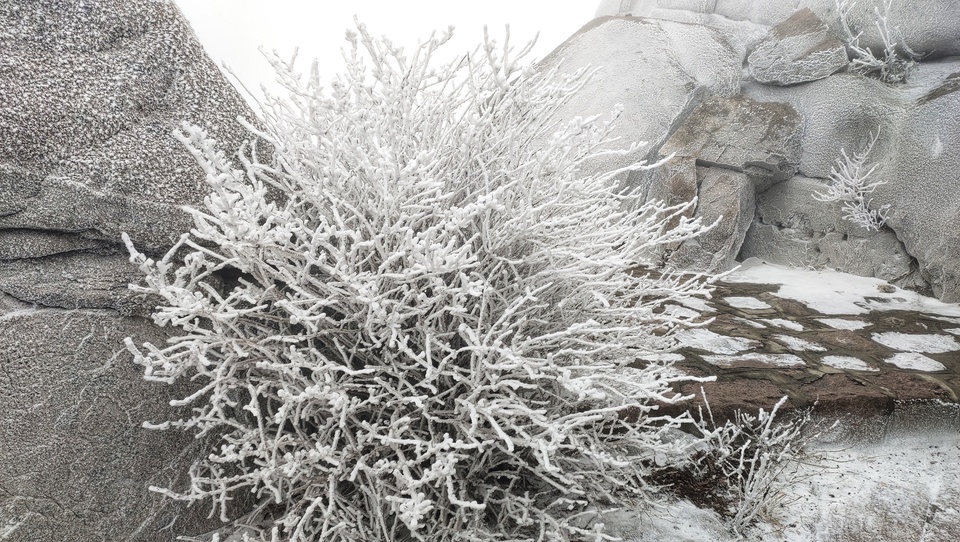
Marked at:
<point>832,292</point>
<point>697,304</point>
<point>843,323</point>
<point>848,362</point>
<point>775,360</point>
<point>704,339</point>
<point>746,303</point>
<point>798,344</point>
<point>788,324</point>
<point>916,362</point>
<point>954,330</point>
<point>912,342</point>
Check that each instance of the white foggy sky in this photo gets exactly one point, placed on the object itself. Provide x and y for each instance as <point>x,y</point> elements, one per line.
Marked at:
<point>232,30</point>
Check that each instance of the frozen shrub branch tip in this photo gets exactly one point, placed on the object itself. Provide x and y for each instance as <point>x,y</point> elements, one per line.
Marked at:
<point>851,186</point>
<point>897,59</point>
<point>407,320</point>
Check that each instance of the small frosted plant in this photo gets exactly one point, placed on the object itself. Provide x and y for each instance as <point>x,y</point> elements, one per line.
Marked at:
<point>755,456</point>
<point>405,320</point>
<point>851,185</point>
<point>896,61</point>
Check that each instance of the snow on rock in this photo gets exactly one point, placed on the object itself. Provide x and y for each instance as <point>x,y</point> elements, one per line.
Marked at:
<point>792,228</point>
<point>757,359</point>
<point>797,344</point>
<point>832,292</point>
<point>929,27</point>
<point>915,361</point>
<point>848,362</point>
<point>656,71</point>
<point>917,153</point>
<point>844,323</point>
<point>912,342</point>
<point>741,302</point>
<point>787,324</point>
<point>705,339</point>
<point>798,50</point>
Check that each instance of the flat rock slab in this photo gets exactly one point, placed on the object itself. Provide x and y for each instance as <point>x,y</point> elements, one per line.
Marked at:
<point>798,50</point>
<point>761,346</point>
<point>761,139</point>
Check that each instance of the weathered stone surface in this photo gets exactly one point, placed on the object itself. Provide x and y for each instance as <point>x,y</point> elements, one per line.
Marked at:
<point>918,154</point>
<point>761,139</point>
<point>798,50</point>
<point>17,187</point>
<point>727,198</point>
<point>930,27</point>
<point>656,88</point>
<point>792,228</point>
<point>91,93</point>
<point>77,280</point>
<point>96,90</point>
<point>76,462</point>
<point>18,244</point>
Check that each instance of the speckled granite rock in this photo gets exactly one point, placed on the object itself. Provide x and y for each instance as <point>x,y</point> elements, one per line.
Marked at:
<point>96,90</point>
<point>92,92</point>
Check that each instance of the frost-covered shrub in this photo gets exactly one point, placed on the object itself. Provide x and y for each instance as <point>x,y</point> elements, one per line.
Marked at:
<point>894,64</point>
<point>851,187</point>
<point>407,323</point>
<point>744,464</point>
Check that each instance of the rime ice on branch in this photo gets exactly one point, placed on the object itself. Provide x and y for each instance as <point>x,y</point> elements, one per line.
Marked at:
<point>407,317</point>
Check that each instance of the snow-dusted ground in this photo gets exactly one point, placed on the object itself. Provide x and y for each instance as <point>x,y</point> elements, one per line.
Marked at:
<point>889,479</point>
<point>845,301</point>
<point>832,292</point>
<point>902,487</point>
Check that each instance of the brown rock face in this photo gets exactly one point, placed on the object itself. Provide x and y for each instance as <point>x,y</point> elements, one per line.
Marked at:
<point>798,50</point>
<point>760,139</point>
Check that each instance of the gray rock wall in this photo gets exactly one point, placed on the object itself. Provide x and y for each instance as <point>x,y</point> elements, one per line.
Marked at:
<point>91,92</point>
<point>791,59</point>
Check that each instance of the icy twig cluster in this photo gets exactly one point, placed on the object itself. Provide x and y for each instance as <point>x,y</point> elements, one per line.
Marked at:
<point>404,319</point>
<point>850,185</point>
<point>897,59</point>
<point>756,456</point>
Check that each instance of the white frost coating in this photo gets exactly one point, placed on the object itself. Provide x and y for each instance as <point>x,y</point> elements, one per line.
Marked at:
<point>662,357</point>
<point>913,342</point>
<point>948,319</point>
<point>916,362</point>
<point>843,323</point>
<point>798,344</point>
<point>751,323</point>
<point>848,362</point>
<point>746,303</point>
<point>698,304</point>
<point>832,292</point>
<point>704,339</point>
<point>775,360</point>
<point>787,324</point>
